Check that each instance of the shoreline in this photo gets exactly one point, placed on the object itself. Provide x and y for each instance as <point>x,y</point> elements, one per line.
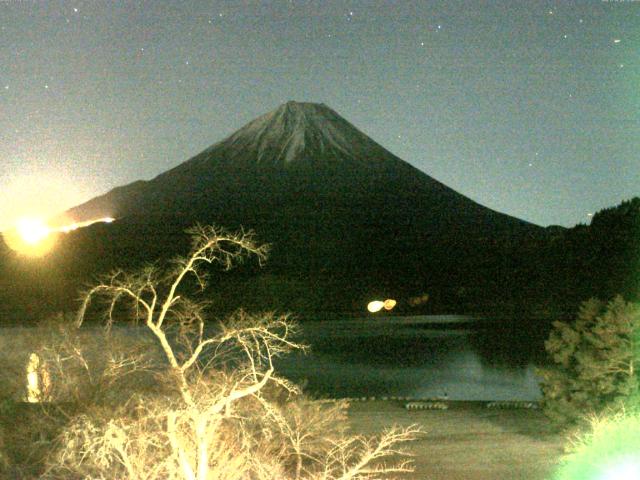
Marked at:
<point>468,441</point>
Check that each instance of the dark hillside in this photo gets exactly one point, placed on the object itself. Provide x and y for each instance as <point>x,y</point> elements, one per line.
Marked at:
<point>347,220</point>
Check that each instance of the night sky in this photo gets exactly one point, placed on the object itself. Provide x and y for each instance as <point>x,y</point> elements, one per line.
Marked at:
<point>530,108</point>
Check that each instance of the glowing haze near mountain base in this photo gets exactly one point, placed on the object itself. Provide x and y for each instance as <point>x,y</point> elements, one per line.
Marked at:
<point>37,194</point>
<point>31,237</point>
<point>34,237</point>
<point>32,230</point>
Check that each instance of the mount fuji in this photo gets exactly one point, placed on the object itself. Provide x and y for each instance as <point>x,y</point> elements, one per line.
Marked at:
<point>304,154</point>
<point>346,218</point>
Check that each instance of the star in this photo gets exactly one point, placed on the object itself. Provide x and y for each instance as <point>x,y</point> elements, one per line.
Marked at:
<point>565,36</point>
<point>550,12</point>
<point>75,10</point>
<point>422,44</point>
<point>6,87</point>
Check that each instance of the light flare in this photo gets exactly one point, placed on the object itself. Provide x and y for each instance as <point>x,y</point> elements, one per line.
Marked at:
<point>32,236</point>
<point>76,225</point>
<point>609,451</point>
<point>389,303</point>
<point>32,230</point>
<point>377,305</point>
<point>628,469</point>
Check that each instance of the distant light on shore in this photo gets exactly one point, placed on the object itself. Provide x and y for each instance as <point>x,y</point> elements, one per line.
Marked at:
<point>377,305</point>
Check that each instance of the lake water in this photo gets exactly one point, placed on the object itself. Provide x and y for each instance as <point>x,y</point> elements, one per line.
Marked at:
<point>420,357</point>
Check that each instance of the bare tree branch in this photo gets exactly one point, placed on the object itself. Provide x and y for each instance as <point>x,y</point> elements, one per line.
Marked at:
<point>218,419</point>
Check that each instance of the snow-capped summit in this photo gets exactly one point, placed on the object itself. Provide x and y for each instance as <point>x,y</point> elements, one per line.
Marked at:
<point>297,129</point>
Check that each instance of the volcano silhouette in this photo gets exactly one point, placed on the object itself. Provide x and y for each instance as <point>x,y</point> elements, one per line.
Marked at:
<point>301,154</point>
<point>336,206</point>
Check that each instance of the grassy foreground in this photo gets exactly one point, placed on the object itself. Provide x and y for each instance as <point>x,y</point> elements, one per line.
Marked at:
<point>468,441</point>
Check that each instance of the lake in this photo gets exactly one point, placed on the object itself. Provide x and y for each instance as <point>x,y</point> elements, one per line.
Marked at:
<point>420,357</point>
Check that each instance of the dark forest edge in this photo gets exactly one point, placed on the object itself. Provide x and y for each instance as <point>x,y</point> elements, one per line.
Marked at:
<point>542,276</point>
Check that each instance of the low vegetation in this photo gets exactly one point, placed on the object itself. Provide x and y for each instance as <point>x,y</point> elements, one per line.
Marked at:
<point>190,401</point>
<point>596,361</point>
<point>593,390</point>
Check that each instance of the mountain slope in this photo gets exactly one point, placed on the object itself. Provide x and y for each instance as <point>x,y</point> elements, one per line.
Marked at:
<point>338,208</point>
<point>298,152</point>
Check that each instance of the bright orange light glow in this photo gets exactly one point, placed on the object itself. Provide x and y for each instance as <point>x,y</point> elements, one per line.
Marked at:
<point>76,225</point>
<point>32,230</point>
<point>39,193</point>
<point>389,304</point>
<point>33,237</point>
<point>377,305</point>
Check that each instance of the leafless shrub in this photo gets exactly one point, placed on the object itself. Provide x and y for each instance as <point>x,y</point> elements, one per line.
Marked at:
<point>79,372</point>
<point>217,416</point>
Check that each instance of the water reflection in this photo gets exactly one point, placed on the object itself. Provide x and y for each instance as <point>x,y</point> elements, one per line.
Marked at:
<point>510,344</point>
<point>419,358</point>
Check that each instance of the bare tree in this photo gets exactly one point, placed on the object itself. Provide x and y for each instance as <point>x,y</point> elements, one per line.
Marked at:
<point>217,418</point>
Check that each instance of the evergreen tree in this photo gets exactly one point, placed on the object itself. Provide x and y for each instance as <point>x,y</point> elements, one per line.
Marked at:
<point>596,359</point>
